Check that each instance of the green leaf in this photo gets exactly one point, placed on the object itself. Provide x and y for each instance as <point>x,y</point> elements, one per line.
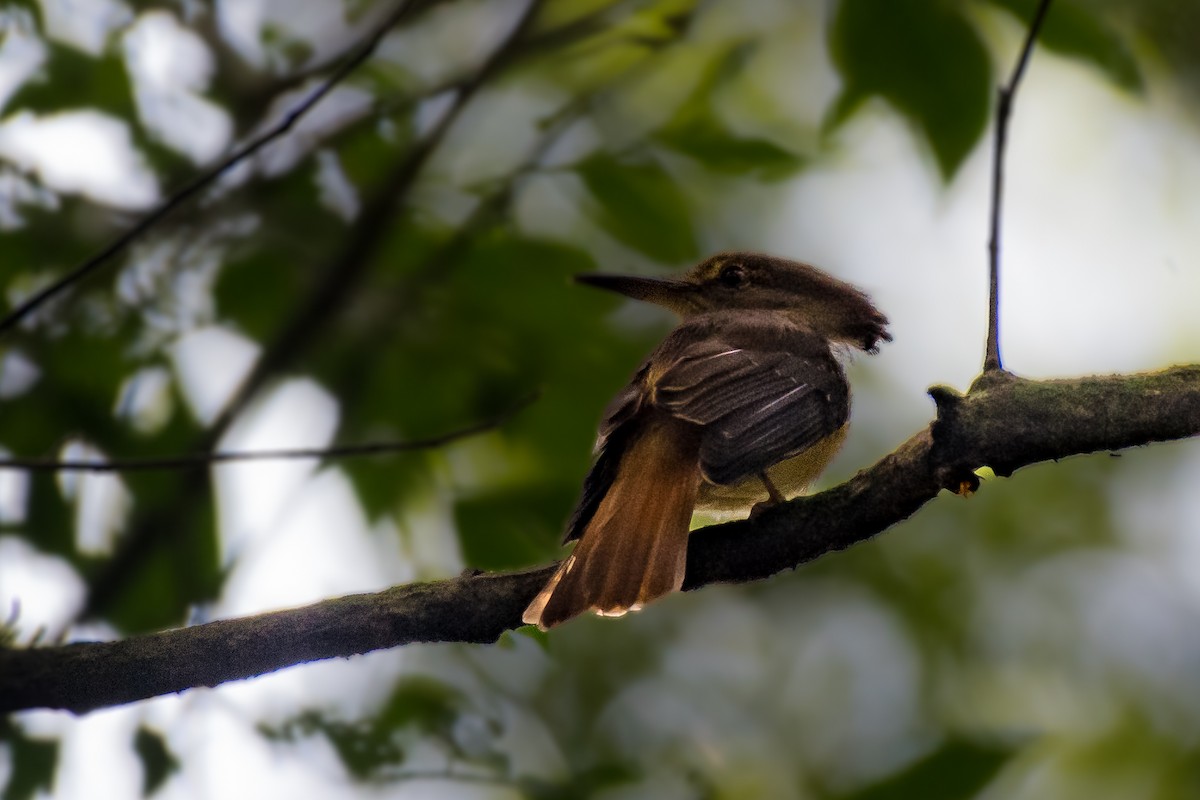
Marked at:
<point>642,206</point>
<point>699,132</point>
<point>158,762</point>
<point>32,6</point>
<point>380,483</point>
<point>72,79</point>
<point>87,373</point>
<point>262,283</point>
<point>1076,30</point>
<point>419,705</point>
<point>923,58</point>
<point>291,50</point>
<point>258,290</point>
<point>554,14</point>
<point>703,137</point>
<point>365,150</point>
<point>364,747</point>
<point>356,10</point>
<point>956,771</point>
<point>33,763</point>
<point>592,782</point>
<point>165,578</point>
<point>422,702</point>
<point>511,529</point>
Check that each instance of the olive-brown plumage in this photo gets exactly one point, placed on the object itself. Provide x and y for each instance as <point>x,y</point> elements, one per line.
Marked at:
<point>743,402</point>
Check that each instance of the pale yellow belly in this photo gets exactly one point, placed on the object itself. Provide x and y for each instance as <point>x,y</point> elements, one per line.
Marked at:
<point>791,477</point>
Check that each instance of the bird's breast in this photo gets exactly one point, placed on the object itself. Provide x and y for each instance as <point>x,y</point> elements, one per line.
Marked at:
<point>791,476</point>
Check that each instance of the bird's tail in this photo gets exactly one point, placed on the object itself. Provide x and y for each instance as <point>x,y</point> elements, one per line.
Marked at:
<point>634,548</point>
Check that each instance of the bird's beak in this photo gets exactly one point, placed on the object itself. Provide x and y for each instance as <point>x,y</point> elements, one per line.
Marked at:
<point>678,296</point>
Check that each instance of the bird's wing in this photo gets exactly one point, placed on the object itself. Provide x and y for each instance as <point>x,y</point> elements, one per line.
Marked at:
<point>623,407</point>
<point>611,442</point>
<point>762,393</point>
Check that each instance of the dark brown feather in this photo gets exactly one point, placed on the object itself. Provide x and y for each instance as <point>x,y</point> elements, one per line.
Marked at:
<point>761,390</point>
<point>610,447</point>
<point>633,548</point>
<point>746,384</point>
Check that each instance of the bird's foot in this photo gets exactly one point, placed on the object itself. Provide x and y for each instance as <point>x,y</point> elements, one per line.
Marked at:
<point>759,508</point>
<point>774,496</point>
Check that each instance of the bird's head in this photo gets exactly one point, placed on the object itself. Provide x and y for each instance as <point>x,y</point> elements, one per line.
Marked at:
<point>727,281</point>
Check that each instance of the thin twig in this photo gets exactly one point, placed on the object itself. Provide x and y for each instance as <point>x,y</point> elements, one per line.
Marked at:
<point>195,459</point>
<point>39,298</point>
<point>1004,100</point>
<point>456,777</point>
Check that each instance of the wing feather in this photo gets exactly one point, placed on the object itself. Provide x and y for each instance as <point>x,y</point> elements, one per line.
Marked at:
<point>760,396</point>
<point>759,391</point>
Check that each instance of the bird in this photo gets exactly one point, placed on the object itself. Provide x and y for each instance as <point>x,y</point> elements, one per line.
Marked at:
<point>741,406</point>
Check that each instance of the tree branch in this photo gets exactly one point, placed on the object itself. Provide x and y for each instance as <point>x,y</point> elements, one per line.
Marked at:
<point>1004,100</point>
<point>1004,422</point>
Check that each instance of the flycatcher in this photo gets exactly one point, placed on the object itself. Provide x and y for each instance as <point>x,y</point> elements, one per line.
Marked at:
<point>745,402</point>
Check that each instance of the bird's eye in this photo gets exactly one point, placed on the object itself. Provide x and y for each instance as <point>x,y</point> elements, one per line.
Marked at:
<point>733,276</point>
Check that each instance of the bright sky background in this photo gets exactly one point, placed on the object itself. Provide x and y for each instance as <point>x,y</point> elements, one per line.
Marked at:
<point>1100,275</point>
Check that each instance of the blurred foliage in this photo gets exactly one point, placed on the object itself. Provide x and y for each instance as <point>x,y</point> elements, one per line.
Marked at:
<point>923,57</point>
<point>158,762</point>
<point>32,763</point>
<point>605,140</point>
<point>73,79</point>
<point>955,770</point>
<point>697,130</point>
<point>1075,30</point>
<point>641,206</point>
<point>419,708</point>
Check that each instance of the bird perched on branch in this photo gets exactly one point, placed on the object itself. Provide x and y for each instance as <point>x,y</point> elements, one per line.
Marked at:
<point>744,403</point>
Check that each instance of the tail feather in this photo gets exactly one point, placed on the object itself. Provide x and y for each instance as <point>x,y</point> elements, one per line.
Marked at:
<point>634,548</point>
